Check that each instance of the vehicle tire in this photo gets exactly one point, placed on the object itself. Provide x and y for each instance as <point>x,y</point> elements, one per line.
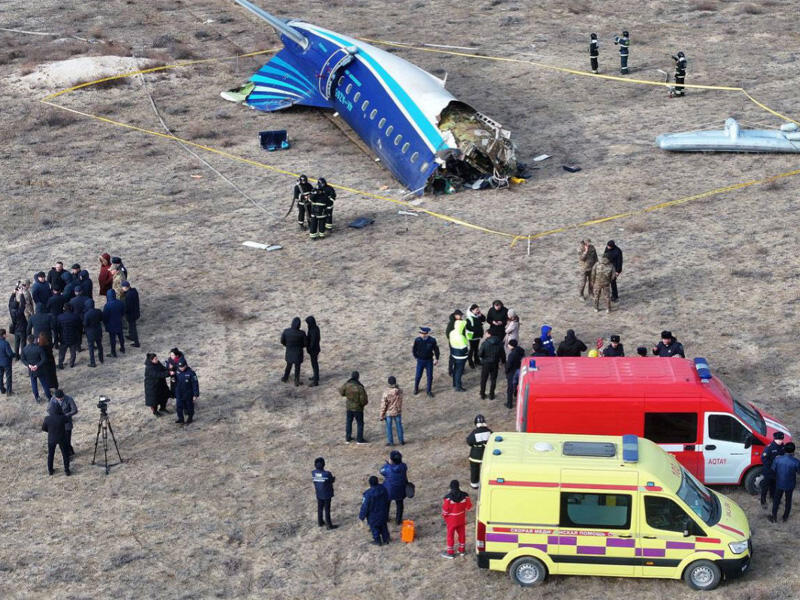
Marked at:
<point>702,575</point>
<point>527,571</point>
<point>749,482</point>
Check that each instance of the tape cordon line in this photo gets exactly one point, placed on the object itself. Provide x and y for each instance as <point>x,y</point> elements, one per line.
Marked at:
<point>514,237</point>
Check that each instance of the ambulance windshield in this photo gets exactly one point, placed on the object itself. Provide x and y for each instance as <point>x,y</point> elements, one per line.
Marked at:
<point>750,416</point>
<point>697,497</point>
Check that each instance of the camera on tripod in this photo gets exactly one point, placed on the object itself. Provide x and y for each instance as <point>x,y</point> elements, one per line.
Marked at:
<point>102,404</point>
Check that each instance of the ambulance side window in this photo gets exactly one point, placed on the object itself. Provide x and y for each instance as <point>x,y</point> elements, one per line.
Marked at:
<point>610,511</point>
<point>671,428</point>
<point>663,513</point>
<point>727,429</point>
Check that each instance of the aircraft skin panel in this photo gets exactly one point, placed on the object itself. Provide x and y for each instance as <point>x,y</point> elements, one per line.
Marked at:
<point>279,85</point>
<point>433,98</point>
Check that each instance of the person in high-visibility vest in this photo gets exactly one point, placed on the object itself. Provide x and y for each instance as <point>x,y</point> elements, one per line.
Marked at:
<point>459,349</point>
<point>624,42</point>
<point>475,321</point>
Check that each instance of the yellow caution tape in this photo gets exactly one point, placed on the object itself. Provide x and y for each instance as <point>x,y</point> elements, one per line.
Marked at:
<point>514,237</point>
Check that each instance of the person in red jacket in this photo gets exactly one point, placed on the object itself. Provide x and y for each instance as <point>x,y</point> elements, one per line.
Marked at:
<point>454,510</point>
<point>105,278</point>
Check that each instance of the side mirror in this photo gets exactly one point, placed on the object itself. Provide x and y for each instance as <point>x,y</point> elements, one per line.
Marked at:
<point>749,440</point>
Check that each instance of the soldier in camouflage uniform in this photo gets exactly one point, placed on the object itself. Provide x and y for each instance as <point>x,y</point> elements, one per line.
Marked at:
<point>587,258</point>
<point>602,274</point>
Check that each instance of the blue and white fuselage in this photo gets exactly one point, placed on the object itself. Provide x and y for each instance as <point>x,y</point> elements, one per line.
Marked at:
<point>393,105</point>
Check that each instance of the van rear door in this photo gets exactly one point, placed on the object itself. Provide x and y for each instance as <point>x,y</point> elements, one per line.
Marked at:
<point>723,448</point>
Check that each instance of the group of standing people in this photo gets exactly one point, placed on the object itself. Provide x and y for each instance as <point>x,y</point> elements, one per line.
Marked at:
<point>624,43</point>
<point>57,310</point>
<point>183,385</point>
<point>297,343</point>
<point>600,275</point>
<point>314,206</point>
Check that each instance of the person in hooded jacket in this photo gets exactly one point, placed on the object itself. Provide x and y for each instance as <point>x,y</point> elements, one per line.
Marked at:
<point>85,283</point>
<point>491,352</point>
<point>323,488</point>
<point>496,318</point>
<point>104,277</point>
<point>295,340</point>
<point>395,478</point>
<point>313,349</point>
<point>477,440</point>
<point>668,346</point>
<point>571,346</point>
<point>40,292</point>
<point>55,424</point>
<point>513,365</point>
<point>19,323</point>
<point>156,392</point>
<point>538,349</point>
<point>454,512</point>
<point>93,327</point>
<point>69,328</point>
<point>71,281</point>
<point>112,320</point>
<point>41,321</point>
<point>548,344</point>
<point>132,313</point>
<point>375,509</point>
<point>614,255</point>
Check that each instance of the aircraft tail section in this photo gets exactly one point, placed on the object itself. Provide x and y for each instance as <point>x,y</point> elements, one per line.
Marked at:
<point>282,83</point>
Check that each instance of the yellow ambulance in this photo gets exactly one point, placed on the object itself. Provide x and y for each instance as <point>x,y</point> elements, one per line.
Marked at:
<point>603,505</point>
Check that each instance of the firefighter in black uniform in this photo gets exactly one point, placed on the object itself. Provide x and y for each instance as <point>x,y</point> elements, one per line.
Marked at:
<point>680,73</point>
<point>302,195</point>
<point>624,42</point>
<point>477,442</point>
<point>767,457</point>
<point>318,212</point>
<point>329,195</point>
<point>594,51</point>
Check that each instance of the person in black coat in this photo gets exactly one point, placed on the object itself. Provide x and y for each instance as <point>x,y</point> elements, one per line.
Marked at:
<point>375,509</point>
<point>55,306</point>
<point>93,327</point>
<point>538,348</point>
<point>513,365</point>
<point>85,283</point>
<point>496,318</point>
<point>112,319</point>
<point>668,346</point>
<point>156,391</point>
<point>323,487</point>
<point>294,339</point>
<point>34,358</point>
<point>312,346</point>
<point>19,324</point>
<point>490,353</point>
<point>571,346</point>
<point>40,322</point>
<point>50,373</point>
<point>55,277</point>
<point>55,424</point>
<point>40,291</point>
<point>131,311</point>
<point>614,255</point>
<point>69,328</point>
<point>187,390</point>
<point>615,348</point>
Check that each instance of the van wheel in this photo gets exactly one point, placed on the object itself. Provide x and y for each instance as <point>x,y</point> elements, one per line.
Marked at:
<point>702,575</point>
<point>749,482</point>
<point>527,571</point>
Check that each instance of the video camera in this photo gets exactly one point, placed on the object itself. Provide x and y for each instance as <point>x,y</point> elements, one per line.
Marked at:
<point>102,404</point>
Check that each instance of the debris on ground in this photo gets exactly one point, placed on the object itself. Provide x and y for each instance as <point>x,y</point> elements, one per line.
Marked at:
<point>274,140</point>
<point>260,246</point>
<point>571,168</point>
<point>361,222</point>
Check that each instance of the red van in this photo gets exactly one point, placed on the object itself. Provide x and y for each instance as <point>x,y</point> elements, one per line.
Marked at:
<point>673,402</point>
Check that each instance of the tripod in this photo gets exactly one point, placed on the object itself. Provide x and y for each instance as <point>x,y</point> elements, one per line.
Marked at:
<point>104,427</point>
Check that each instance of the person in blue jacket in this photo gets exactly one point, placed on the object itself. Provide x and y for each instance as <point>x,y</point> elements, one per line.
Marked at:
<point>548,345</point>
<point>186,391</point>
<point>426,351</point>
<point>131,311</point>
<point>375,509</point>
<point>786,467</point>
<point>112,319</point>
<point>85,283</point>
<point>323,486</point>
<point>395,478</point>
<point>40,291</point>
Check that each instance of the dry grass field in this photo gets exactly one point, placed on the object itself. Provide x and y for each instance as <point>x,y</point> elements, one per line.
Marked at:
<point>224,507</point>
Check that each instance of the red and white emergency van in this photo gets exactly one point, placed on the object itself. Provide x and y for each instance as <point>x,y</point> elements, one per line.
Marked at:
<point>673,402</point>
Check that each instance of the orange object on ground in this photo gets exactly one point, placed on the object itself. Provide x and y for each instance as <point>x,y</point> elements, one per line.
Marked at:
<point>407,531</point>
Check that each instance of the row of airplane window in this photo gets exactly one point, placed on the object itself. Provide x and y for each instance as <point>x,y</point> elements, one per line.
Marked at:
<point>381,123</point>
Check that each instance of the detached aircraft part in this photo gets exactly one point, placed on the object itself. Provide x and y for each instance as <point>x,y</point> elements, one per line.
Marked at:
<point>733,139</point>
<point>404,114</point>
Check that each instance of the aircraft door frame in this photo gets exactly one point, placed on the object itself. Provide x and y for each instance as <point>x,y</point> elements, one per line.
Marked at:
<point>327,74</point>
